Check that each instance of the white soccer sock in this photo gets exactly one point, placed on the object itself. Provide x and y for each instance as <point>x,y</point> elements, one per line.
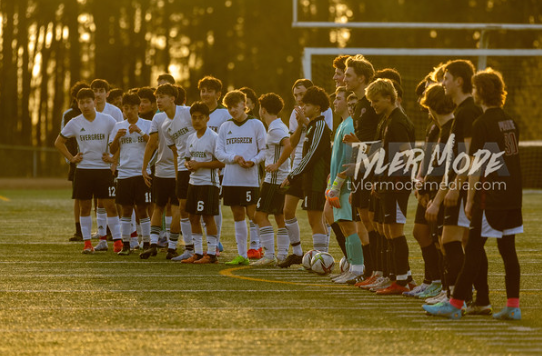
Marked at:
<point>155,234</point>
<point>292,227</point>
<point>114,225</point>
<point>167,221</point>
<point>241,233</point>
<point>133,221</point>
<point>218,222</point>
<point>283,243</point>
<point>212,243</point>
<point>173,240</point>
<point>254,237</point>
<point>319,242</point>
<point>145,229</point>
<point>198,243</point>
<point>357,269</point>
<point>267,237</point>
<point>101,220</point>
<point>86,226</point>
<point>126,228</point>
<point>186,229</point>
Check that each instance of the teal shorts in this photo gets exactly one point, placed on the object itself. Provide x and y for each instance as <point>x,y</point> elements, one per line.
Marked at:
<point>343,213</point>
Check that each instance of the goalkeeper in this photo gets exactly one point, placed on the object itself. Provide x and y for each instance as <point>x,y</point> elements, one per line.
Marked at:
<point>338,192</point>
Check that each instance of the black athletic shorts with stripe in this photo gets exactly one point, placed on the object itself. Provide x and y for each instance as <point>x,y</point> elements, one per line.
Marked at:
<point>202,200</point>
<point>97,183</point>
<point>240,196</point>
<point>271,199</point>
<point>163,191</point>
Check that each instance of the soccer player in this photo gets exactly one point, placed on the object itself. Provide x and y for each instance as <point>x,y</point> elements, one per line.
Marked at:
<point>163,182</point>
<point>177,131</point>
<point>203,189</point>
<point>130,138</point>
<point>298,127</point>
<point>359,74</point>
<point>339,63</point>
<point>165,78</point>
<point>458,85</point>
<point>93,176</point>
<point>241,147</point>
<point>115,97</point>
<point>101,91</point>
<point>69,114</point>
<point>313,169</point>
<point>397,139</point>
<point>493,211</point>
<point>252,100</point>
<point>338,191</point>
<point>147,108</point>
<point>271,199</point>
<point>210,91</point>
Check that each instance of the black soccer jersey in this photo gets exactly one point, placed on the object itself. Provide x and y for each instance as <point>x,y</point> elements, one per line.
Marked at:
<point>365,120</point>
<point>397,130</point>
<point>314,166</point>
<point>437,165</point>
<point>464,116</point>
<point>497,132</point>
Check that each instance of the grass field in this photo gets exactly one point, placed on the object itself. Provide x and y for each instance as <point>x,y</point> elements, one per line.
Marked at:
<point>56,301</point>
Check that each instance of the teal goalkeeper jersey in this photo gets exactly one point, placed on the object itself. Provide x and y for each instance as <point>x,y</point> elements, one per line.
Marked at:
<point>341,153</point>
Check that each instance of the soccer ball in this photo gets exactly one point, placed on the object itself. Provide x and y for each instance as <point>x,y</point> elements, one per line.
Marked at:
<point>344,264</point>
<point>322,263</point>
<point>307,258</point>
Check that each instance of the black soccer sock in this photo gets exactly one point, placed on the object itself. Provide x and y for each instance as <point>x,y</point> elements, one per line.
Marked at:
<point>454,260</point>
<point>400,256</point>
<point>441,269</point>
<point>507,249</point>
<point>430,258</point>
<point>368,260</point>
<point>373,242</point>
<point>78,229</point>
<point>341,239</point>
<point>390,260</point>
<point>480,283</point>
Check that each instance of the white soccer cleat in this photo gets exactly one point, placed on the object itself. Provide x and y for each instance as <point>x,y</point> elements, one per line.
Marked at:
<point>265,262</point>
<point>185,255</point>
<point>101,246</point>
<point>441,297</point>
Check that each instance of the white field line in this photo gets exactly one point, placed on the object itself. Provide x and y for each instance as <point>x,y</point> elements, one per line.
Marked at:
<point>158,290</point>
<point>138,308</point>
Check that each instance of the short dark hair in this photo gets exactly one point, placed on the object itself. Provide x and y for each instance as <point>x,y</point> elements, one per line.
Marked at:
<point>147,93</point>
<point>200,107</point>
<point>250,93</point>
<point>340,62</point>
<point>464,69</point>
<point>436,99</point>
<point>100,83</point>
<point>316,96</point>
<point>389,73</point>
<point>166,89</point>
<point>85,93</point>
<point>233,98</point>
<point>398,88</point>
<point>210,82</point>
<point>167,77</point>
<point>420,88</point>
<point>130,99</point>
<point>383,87</point>
<point>181,95</point>
<point>490,87</point>
<point>271,102</point>
<point>114,93</point>
<point>307,83</point>
<point>76,87</point>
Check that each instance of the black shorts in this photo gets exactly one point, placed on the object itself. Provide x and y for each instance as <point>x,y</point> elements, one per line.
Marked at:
<point>360,196</point>
<point>455,215</point>
<point>295,188</point>
<point>271,199</point>
<point>497,223</point>
<point>71,172</point>
<point>202,200</point>
<point>183,177</point>
<point>163,191</point>
<point>96,183</point>
<point>394,207</point>
<point>240,196</point>
<point>133,191</point>
<point>313,201</point>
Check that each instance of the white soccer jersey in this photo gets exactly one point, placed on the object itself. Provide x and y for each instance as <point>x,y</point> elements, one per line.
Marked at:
<point>217,117</point>
<point>114,111</point>
<point>176,132</point>
<point>246,139</point>
<point>132,148</point>
<point>298,155</point>
<point>92,138</point>
<point>276,132</point>
<point>164,166</point>
<point>202,149</point>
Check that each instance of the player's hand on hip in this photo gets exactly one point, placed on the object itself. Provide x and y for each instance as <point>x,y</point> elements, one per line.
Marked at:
<point>77,158</point>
